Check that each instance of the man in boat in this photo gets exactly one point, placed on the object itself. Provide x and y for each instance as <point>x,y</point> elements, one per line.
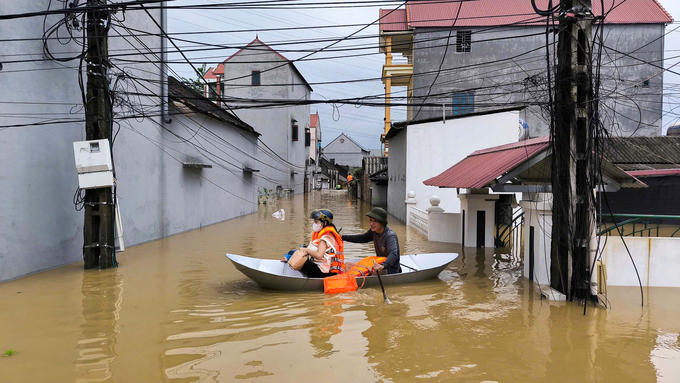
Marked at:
<point>384,239</point>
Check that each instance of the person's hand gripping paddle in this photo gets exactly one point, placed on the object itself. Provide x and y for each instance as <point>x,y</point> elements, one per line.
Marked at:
<point>387,300</point>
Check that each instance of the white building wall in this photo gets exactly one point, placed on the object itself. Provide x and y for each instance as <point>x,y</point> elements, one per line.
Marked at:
<point>396,172</point>
<point>656,260</point>
<point>537,215</point>
<point>275,124</point>
<point>345,152</point>
<point>436,146</point>
<point>346,159</point>
<point>378,194</point>
<point>39,227</point>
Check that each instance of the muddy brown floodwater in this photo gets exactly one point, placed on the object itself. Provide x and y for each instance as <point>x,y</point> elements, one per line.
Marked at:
<point>177,310</point>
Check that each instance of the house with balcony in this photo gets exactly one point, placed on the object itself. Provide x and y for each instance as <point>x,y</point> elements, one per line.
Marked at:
<point>470,56</point>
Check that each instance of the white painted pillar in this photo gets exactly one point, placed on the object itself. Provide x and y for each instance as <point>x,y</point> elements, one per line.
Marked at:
<point>410,202</point>
<point>434,205</point>
<point>537,215</point>
<point>471,203</point>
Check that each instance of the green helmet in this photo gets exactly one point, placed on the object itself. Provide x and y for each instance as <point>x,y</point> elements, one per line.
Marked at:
<point>323,215</point>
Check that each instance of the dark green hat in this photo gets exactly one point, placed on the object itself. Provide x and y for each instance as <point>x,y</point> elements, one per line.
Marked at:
<point>378,214</point>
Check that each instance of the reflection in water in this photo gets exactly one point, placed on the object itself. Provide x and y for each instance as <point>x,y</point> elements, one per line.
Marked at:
<point>189,316</point>
<point>665,356</point>
<point>102,297</point>
<point>325,323</point>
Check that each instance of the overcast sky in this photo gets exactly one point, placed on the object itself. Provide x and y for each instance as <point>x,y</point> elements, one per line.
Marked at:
<point>364,124</point>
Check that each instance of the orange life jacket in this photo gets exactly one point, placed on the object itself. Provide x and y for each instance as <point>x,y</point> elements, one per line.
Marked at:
<point>364,267</point>
<point>340,283</point>
<point>338,258</point>
<point>347,282</point>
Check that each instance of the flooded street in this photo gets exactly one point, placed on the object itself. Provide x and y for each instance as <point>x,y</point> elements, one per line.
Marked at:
<point>177,310</point>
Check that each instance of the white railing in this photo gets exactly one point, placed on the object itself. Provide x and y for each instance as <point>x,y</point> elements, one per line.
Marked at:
<point>418,219</point>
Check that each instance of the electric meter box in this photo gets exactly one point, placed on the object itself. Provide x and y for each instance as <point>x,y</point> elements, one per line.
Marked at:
<point>95,180</point>
<point>92,156</point>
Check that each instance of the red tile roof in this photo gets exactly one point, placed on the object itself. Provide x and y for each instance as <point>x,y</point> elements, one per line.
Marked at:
<point>314,120</point>
<point>393,20</point>
<point>209,75</point>
<point>219,70</point>
<point>483,166</point>
<point>479,13</point>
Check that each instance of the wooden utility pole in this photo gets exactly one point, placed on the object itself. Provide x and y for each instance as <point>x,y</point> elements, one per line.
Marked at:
<point>572,152</point>
<point>98,231</point>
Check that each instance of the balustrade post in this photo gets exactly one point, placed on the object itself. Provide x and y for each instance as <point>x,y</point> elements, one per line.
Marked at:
<point>410,202</point>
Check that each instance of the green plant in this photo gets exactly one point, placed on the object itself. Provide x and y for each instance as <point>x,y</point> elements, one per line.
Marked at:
<point>197,83</point>
<point>10,352</point>
<point>263,196</point>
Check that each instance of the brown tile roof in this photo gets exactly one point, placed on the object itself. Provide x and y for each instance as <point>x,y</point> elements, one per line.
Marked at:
<point>190,101</point>
<point>644,153</point>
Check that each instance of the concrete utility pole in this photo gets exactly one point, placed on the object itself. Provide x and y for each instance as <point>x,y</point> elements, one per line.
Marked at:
<point>572,152</point>
<point>98,231</point>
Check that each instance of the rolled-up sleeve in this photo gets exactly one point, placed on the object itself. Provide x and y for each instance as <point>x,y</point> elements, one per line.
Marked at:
<point>358,238</point>
<point>392,250</point>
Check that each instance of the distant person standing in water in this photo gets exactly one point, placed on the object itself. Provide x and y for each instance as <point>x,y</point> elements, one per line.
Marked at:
<point>384,239</point>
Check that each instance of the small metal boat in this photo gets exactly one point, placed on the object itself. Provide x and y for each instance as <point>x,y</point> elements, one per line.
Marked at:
<point>276,275</point>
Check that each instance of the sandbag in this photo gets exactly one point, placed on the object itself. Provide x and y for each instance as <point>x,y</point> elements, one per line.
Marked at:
<point>340,283</point>
<point>297,260</point>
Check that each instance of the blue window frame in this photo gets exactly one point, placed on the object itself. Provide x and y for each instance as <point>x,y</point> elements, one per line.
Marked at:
<point>463,103</point>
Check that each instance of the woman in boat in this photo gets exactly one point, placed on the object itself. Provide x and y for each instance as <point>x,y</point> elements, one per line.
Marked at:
<point>326,250</point>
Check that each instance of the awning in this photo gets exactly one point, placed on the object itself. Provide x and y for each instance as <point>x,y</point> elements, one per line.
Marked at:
<point>518,167</point>
<point>480,168</point>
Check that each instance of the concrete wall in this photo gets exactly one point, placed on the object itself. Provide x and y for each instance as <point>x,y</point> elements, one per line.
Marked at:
<point>378,194</point>
<point>396,172</point>
<point>444,227</point>
<point>39,227</point>
<point>656,260</point>
<point>436,146</point>
<point>346,159</point>
<point>502,80</point>
<point>537,215</point>
<point>275,124</point>
<point>345,152</point>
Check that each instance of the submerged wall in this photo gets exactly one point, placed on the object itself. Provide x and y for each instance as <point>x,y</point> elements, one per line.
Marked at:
<point>656,260</point>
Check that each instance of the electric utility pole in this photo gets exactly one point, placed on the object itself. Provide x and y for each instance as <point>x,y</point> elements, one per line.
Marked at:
<point>98,246</point>
<point>572,152</point>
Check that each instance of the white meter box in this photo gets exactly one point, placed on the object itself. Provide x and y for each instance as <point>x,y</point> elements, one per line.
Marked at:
<point>95,180</point>
<point>92,156</point>
<point>93,163</point>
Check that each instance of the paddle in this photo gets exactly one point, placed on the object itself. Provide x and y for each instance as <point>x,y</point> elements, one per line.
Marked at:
<point>387,300</point>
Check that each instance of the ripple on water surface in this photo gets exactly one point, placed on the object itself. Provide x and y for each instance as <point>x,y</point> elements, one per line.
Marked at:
<point>177,310</point>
